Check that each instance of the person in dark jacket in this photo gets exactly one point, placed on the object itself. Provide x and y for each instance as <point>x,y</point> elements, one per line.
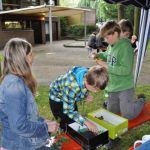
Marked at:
<point>91,43</point>
<point>101,45</point>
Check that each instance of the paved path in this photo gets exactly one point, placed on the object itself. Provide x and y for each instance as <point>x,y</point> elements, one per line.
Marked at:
<point>51,61</point>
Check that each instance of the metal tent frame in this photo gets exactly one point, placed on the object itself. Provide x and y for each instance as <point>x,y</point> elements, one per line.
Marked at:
<point>49,11</point>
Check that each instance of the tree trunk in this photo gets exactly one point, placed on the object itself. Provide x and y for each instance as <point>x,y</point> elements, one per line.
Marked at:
<point>120,12</point>
<point>137,12</point>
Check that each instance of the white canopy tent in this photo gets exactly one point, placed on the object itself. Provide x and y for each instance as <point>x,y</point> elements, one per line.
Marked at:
<point>48,11</point>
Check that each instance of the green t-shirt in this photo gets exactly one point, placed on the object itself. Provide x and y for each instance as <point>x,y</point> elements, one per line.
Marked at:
<point>120,60</point>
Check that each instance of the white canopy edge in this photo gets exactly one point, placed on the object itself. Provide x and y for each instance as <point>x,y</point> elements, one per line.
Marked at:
<point>57,11</point>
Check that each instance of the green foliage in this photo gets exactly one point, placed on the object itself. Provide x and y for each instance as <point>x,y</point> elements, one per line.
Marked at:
<point>43,102</point>
<point>127,139</point>
<point>86,4</point>
<point>78,30</point>
<point>63,24</point>
<point>129,13</point>
<point>106,11</point>
<point>1,59</point>
<point>137,12</point>
<point>148,46</point>
<point>70,3</point>
<point>60,140</point>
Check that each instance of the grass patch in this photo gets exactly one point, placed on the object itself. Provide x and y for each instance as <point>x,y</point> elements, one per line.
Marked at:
<point>43,102</point>
<point>127,139</point>
<point>148,46</point>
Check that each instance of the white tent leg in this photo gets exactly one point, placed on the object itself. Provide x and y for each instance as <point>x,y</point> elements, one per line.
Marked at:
<point>50,26</point>
<point>1,5</point>
<point>85,29</point>
<point>143,40</point>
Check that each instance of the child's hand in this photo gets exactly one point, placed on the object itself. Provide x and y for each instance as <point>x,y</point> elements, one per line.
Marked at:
<point>102,63</point>
<point>99,61</point>
<point>91,126</point>
<point>52,126</point>
<point>89,98</point>
<point>93,55</point>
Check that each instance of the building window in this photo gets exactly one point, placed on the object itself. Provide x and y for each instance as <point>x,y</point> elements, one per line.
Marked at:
<point>13,24</point>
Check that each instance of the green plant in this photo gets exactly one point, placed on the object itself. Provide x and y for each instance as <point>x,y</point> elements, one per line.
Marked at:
<point>148,45</point>
<point>78,30</point>
<point>63,24</point>
<point>1,59</point>
<point>60,139</point>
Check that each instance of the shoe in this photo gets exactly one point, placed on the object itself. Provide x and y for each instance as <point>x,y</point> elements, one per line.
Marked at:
<point>142,99</point>
<point>105,104</point>
<point>141,96</point>
<point>111,144</point>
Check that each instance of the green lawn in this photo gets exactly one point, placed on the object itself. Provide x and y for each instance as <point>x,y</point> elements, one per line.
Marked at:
<point>148,46</point>
<point>127,140</point>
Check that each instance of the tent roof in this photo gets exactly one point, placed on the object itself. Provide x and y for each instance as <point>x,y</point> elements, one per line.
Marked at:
<point>139,3</point>
<point>44,9</point>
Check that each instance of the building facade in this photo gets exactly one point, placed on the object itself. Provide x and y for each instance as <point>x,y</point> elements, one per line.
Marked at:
<point>88,17</point>
<point>33,28</point>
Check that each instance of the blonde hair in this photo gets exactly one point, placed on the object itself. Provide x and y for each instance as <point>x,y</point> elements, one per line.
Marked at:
<point>97,76</point>
<point>15,61</point>
<point>109,28</point>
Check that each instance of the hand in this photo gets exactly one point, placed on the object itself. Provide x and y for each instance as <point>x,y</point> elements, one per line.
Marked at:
<point>99,61</point>
<point>102,63</point>
<point>93,55</point>
<point>52,126</point>
<point>89,98</point>
<point>91,126</point>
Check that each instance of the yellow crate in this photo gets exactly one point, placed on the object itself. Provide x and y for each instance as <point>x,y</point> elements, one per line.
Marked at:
<point>115,124</point>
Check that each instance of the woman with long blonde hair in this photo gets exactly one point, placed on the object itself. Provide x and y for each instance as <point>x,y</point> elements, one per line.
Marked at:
<point>22,128</point>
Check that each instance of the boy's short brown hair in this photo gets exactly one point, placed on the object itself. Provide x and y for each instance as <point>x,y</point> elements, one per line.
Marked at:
<point>126,26</point>
<point>97,76</point>
<point>109,28</point>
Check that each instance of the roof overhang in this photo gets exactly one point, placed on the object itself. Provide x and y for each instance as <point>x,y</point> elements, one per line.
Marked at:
<point>57,11</point>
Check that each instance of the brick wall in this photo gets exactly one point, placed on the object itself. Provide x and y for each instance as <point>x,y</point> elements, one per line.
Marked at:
<point>6,35</point>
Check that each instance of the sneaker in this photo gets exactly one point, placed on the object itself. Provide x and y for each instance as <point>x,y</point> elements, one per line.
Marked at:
<point>111,144</point>
<point>105,104</point>
<point>141,96</point>
<point>141,99</point>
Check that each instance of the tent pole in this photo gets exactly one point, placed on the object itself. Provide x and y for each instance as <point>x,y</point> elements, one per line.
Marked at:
<point>85,28</point>
<point>1,5</point>
<point>50,25</point>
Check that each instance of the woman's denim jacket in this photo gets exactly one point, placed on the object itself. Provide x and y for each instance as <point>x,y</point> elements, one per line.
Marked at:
<point>22,128</point>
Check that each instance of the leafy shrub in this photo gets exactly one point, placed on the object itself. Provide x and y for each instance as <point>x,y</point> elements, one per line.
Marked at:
<point>78,30</point>
<point>63,25</point>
